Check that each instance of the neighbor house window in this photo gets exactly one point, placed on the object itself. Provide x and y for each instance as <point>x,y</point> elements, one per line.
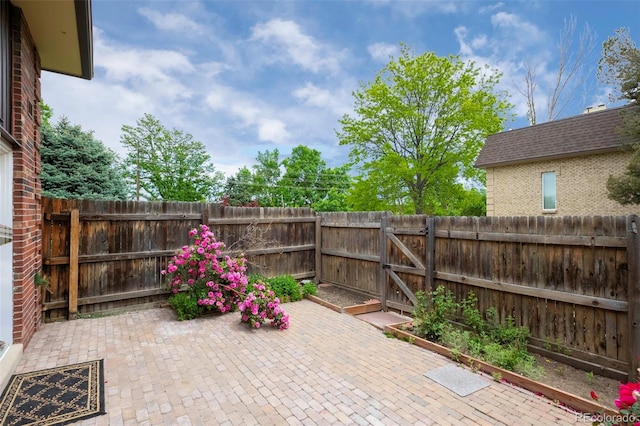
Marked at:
<point>549,191</point>
<point>5,66</point>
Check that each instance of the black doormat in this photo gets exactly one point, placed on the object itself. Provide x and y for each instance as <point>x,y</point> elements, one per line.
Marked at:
<point>55,396</point>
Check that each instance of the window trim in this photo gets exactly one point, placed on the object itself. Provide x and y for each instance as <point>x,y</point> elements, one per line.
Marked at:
<point>5,66</point>
<point>555,191</point>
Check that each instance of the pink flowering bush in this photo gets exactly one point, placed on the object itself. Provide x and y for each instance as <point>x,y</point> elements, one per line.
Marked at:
<point>215,283</point>
<point>260,305</point>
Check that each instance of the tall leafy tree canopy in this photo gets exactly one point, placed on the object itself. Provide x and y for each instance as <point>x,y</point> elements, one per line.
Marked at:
<point>266,174</point>
<point>307,180</point>
<point>418,128</point>
<point>163,164</point>
<point>238,189</point>
<point>300,180</point>
<point>75,165</point>
<point>619,66</point>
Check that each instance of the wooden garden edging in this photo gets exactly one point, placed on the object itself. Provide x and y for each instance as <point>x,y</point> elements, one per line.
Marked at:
<point>553,394</point>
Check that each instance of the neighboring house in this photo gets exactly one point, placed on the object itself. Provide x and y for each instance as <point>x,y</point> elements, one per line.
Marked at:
<point>35,35</point>
<point>559,168</point>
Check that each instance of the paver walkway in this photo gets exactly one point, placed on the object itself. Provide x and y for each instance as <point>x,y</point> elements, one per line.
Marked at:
<point>327,368</point>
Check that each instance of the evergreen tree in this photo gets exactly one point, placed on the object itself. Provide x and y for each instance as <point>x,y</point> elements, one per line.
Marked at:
<point>76,165</point>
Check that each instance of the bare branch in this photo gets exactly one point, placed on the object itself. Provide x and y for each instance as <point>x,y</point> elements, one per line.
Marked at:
<point>571,67</point>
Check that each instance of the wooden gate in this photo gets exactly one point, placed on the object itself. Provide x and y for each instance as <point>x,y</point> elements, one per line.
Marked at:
<point>406,261</point>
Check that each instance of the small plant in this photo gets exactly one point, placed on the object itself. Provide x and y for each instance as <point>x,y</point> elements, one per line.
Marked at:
<point>309,289</point>
<point>285,287</point>
<point>185,305</point>
<point>431,313</point>
<point>590,377</point>
<point>412,340</point>
<point>497,376</point>
<point>40,280</point>
<point>471,314</point>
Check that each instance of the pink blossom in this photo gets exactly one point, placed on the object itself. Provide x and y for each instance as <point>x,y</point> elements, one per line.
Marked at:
<point>626,395</point>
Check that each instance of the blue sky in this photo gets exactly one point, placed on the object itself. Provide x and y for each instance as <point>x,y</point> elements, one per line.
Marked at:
<point>247,76</point>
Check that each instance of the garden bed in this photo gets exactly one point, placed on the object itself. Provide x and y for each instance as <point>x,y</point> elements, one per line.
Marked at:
<point>560,382</point>
<point>557,395</point>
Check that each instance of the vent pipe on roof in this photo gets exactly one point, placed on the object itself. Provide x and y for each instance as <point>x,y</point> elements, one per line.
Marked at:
<point>598,107</point>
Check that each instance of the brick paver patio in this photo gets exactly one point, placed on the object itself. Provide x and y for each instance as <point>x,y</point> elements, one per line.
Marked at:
<point>327,368</point>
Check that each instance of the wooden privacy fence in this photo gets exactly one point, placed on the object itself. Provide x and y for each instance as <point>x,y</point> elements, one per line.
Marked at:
<point>105,255</point>
<point>572,281</point>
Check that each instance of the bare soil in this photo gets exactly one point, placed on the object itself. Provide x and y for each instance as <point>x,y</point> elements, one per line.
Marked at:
<point>561,376</point>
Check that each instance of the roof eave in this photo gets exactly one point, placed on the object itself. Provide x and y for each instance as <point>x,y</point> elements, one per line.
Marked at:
<point>480,165</point>
<point>62,33</point>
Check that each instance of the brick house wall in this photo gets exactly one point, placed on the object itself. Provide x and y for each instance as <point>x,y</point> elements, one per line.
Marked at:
<point>516,190</point>
<point>26,180</point>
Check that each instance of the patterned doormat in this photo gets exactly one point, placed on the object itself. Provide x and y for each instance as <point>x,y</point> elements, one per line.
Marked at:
<point>55,396</point>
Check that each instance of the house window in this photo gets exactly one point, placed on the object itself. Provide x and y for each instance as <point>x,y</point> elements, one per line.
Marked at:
<point>549,191</point>
<point>5,66</point>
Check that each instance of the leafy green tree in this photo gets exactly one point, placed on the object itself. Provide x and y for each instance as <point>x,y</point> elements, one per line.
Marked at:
<point>266,174</point>
<point>420,125</point>
<point>619,66</point>
<point>307,180</point>
<point>334,201</point>
<point>239,189</point>
<point>76,165</point>
<point>473,203</point>
<point>45,113</point>
<point>163,164</point>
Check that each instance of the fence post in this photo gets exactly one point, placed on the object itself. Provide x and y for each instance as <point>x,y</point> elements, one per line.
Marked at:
<point>633,261</point>
<point>74,248</point>
<point>430,256</point>
<point>384,223</point>
<point>318,277</point>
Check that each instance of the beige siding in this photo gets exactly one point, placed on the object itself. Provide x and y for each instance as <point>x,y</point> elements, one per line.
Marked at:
<point>516,190</point>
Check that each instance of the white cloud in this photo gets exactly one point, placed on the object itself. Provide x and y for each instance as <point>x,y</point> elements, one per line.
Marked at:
<point>479,41</point>
<point>382,51</point>
<point>272,130</point>
<point>489,8</point>
<point>461,35</point>
<point>521,32</point>
<point>172,22</point>
<point>288,40</point>
<point>248,112</point>
<point>334,101</point>
<point>159,73</point>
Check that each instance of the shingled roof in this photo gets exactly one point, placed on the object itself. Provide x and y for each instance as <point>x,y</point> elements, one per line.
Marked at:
<point>585,134</point>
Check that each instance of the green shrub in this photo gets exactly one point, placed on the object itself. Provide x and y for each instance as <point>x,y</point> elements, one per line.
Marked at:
<point>285,287</point>
<point>431,313</point>
<point>255,279</point>
<point>471,314</point>
<point>507,333</point>
<point>186,307</point>
<point>501,344</point>
<point>309,289</point>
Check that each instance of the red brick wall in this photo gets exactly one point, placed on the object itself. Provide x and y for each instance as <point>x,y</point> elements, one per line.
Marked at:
<point>26,180</point>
